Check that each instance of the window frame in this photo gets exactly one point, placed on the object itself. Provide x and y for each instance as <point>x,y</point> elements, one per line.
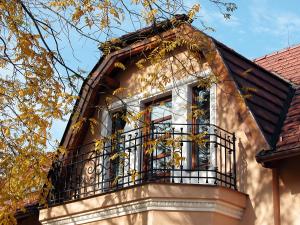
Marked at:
<point>147,130</point>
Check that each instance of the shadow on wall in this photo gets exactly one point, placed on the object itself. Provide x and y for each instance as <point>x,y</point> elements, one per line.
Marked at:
<point>241,167</point>
<point>289,175</point>
<point>28,220</point>
<point>289,179</point>
<point>253,179</point>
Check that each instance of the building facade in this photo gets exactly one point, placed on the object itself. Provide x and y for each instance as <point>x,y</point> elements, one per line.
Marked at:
<point>193,155</point>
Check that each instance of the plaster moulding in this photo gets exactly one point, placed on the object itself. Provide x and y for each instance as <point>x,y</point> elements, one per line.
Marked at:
<point>150,205</point>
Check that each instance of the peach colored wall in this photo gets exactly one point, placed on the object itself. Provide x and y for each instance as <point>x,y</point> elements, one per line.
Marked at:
<point>289,179</point>
<point>254,180</point>
<point>133,79</point>
<point>192,218</point>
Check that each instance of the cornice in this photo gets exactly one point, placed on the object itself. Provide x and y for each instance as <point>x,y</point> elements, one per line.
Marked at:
<point>202,205</point>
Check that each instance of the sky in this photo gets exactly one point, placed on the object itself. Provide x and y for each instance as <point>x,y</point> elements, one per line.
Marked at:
<point>256,28</point>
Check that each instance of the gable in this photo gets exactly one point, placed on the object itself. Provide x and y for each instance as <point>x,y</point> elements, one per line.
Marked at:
<point>268,94</point>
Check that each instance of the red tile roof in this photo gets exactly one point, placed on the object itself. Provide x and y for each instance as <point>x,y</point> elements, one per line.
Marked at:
<point>285,63</point>
<point>290,132</point>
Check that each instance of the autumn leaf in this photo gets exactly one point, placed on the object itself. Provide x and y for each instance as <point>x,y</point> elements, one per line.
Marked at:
<point>93,124</point>
<point>77,126</point>
<point>99,145</point>
<point>120,65</point>
<point>133,175</point>
<point>114,156</point>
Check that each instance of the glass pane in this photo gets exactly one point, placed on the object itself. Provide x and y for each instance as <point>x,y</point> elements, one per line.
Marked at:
<point>118,143</point>
<point>161,114</point>
<point>161,163</point>
<point>162,127</point>
<point>161,110</point>
<point>118,122</point>
<point>201,102</point>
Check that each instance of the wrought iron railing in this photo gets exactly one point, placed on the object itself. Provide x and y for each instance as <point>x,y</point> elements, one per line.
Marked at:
<point>161,153</point>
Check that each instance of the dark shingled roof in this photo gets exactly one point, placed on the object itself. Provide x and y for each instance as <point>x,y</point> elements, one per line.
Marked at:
<point>269,94</point>
<point>145,32</point>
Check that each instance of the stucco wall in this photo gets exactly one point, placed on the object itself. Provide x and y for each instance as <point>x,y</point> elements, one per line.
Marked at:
<point>289,180</point>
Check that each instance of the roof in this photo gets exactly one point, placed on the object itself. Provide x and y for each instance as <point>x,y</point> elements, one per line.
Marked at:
<point>145,32</point>
<point>290,132</point>
<point>270,94</point>
<point>285,62</point>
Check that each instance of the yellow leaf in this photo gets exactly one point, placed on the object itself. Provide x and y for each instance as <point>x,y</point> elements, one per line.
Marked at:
<point>133,174</point>
<point>114,156</point>
<point>93,124</point>
<point>99,145</point>
<point>116,180</point>
<point>114,12</point>
<point>120,65</point>
<point>77,126</point>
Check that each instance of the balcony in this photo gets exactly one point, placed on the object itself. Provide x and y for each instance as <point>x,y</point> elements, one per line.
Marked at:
<point>159,153</point>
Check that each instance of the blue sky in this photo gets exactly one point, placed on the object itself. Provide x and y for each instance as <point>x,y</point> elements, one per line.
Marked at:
<point>256,28</point>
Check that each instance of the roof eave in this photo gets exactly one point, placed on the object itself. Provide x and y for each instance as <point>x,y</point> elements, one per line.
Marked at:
<point>271,158</point>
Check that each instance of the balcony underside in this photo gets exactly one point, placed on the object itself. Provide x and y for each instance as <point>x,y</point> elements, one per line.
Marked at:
<point>153,203</point>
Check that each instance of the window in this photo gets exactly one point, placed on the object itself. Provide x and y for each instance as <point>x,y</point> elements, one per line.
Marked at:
<point>158,118</point>
<point>117,144</point>
<point>201,122</point>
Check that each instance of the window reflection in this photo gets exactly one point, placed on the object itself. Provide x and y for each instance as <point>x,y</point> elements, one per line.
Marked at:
<point>201,121</point>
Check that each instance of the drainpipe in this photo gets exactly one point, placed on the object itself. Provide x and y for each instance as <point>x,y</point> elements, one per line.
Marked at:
<point>276,196</point>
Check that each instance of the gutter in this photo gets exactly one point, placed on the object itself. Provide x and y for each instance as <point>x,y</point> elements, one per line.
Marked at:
<point>271,156</point>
